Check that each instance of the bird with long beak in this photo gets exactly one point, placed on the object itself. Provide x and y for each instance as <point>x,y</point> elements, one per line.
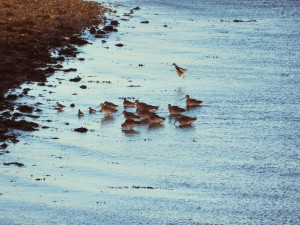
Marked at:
<point>130,124</point>
<point>110,104</point>
<point>180,71</point>
<point>91,110</point>
<point>155,119</point>
<point>130,116</point>
<point>191,101</point>
<point>185,120</point>
<point>80,114</point>
<point>144,106</point>
<point>175,110</point>
<point>127,103</point>
<point>143,113</point>
<point>106,109</point>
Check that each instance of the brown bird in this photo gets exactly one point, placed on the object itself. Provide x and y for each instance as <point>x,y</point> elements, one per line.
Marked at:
<point>106,109</point>
<point>110,104</point>
<point>80,114</point>
<point>130,124</point>
<point>145,114</point>
<point>131,116</point>
<point>180,71</point>
<point>60,106</point>
<point>91,110</point>
<point>155,119</point>
<point>175,110</point>
<point>191,101</point>
<point>185,120</point>
<point>127,103</point>
<point>144,106</point>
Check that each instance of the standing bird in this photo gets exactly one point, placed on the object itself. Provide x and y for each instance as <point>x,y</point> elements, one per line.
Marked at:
<point>80,114</point>
<point>191,101</point>
<point>155,119</point>
<point>175,110</point>
<point>60,106</point>
<point>127,103</point>
<point>110,104</point>
<point>185,120</point>
<point>130,124</point>
<point>144,106</point>
<point>180,71</point>
<point>106,109</point>
<point>91,110</point>
<point>131,116</point>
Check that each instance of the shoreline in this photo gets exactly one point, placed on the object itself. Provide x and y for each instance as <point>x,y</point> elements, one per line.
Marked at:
<point>29,32</point>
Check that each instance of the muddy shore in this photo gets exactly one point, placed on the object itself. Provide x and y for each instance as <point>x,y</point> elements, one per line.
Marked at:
<point>29,32</point>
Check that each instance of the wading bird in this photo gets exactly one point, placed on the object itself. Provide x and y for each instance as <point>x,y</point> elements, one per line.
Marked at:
<point>191,101</point>
<point>185,120</point>
<point>180,71</point>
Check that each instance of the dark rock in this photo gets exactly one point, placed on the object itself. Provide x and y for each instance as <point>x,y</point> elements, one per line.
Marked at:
<point>11,97</point>
<point>119,45</point>
<point>100,32</point>
<point>4,145</point>
<point>137,8</point>
<point>17,114</point>
<point>14,163</point>
<point>76,79</point>
<point>72,105</point>
<point>20,125</point>
<point>81,130</point>
<point>114,22</point>
<point>81,59</point>
<point>92,30</point>
<point>6,114</point>
<point>145,22</point>
<point>110,28</point>
<point>49,70</point>
<point>83,87</point>
<point>70,70</point>
<point>25,108</point>
<point>78,41</point>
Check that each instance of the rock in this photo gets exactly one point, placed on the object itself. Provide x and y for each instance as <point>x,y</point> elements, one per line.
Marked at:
<point>25,108</point>
<point>72,105</point>
<point>81,130</point>
<point>11,97</point>
<point>83,87</point>
<point>14,163</point>
<point>119,45</point>
<point>4,145</point>
<point>92,30</point>
<point>145,22</point>
<point>137,8</point>
<point>100,32</point>
<point>76,79</point>
<point>110,28</point>
<point>70,70</point>
<point>114,22</point>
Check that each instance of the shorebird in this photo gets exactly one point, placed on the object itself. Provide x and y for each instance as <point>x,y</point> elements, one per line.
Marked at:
<point>131,116</point>
<point>91,110</point>
<point>106,109</point>
<point>110,104</point>
<point>155,119</point>
<point>191,101</point>
<point>175,110</point>
<point>180,71</point>
<point>80,114</point>
<point>60,106</point>
<point>127,103</point>
<point>145,114</point>
<point>144,106</point>
<point>185,120</point>
<point>130,124</point>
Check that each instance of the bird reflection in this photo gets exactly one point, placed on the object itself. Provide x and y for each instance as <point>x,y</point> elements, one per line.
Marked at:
<point>130,132</point>
<point>106,119</point>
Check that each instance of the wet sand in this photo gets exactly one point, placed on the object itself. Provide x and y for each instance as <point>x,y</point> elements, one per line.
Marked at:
<point>29,31</point>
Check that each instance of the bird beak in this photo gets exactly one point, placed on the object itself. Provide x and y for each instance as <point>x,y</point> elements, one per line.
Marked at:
<point>183,98</point>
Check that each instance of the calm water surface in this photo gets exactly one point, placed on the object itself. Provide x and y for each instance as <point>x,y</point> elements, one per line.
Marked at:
<point>238,164</point>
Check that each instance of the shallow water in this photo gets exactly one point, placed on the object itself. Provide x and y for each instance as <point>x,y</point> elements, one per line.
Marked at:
<point>238,163</point>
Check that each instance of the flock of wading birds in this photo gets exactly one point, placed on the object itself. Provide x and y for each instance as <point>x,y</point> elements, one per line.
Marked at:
<point>145,113</point>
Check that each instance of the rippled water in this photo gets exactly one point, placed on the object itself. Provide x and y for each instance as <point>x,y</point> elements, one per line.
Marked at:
<point>238,163</point>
